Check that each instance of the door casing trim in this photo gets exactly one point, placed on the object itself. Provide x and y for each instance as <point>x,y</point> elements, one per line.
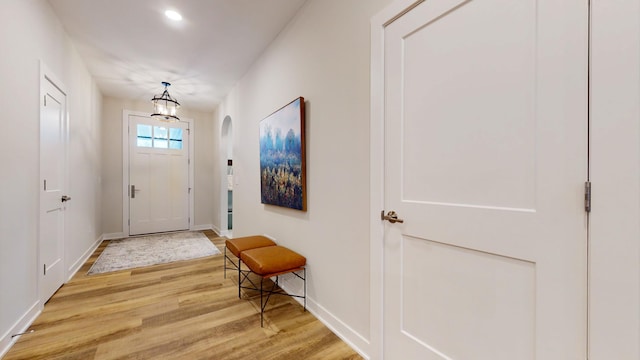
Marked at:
<point>378,23</point>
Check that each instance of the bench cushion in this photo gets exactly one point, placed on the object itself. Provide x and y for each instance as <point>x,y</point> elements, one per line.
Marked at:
<point>272,260</point>
<point>238,245</point>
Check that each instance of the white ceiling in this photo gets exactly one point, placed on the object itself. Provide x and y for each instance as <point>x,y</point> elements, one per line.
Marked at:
<point>130,47</point>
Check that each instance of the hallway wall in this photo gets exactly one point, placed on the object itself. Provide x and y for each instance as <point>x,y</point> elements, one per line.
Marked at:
<point>323,55</point>
<point>30,32</point>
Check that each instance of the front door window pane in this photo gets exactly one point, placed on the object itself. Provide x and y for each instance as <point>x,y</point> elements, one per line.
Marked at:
<point>144,136</point>
<point>160,137</point>
<point>175,138</point>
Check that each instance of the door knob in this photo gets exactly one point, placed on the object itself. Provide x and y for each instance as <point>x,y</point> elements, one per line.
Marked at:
<point>391,216</point>
<point>65,198</point>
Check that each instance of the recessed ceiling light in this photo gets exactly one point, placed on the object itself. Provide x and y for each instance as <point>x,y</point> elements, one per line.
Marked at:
<point>173,15</point>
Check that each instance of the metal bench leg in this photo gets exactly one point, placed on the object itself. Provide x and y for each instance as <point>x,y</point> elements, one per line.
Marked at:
<point>261,305</point>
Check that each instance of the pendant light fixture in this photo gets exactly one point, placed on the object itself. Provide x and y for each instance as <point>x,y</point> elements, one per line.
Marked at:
<point>165,107</point>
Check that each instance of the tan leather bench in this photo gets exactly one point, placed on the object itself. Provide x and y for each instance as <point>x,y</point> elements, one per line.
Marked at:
<point>238,245</point>
<point>273,261</point>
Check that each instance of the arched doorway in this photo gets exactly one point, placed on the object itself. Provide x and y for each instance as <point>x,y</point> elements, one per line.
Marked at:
<point>226,191</point>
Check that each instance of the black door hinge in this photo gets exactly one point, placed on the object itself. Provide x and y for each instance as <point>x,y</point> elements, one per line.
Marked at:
<point>587,196</point>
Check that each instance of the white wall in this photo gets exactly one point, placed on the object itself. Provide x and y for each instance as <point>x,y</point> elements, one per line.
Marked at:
<point>112,162</point>
<point>30,32</point>
<point>323,55</point>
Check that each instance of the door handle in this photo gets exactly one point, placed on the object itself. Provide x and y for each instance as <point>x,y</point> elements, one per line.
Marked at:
<point>65,198</point>
<point>133,191</point>
<point>391,217</point>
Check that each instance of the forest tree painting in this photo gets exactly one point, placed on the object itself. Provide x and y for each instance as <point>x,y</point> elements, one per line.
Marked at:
<point>282,157</point>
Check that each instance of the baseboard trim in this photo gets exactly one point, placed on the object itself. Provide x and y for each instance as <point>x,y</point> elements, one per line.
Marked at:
<point>78,264</point>
<point>202,227</point>
<point>6,342</point>
<point>112,236</point>
<point>356,341</point>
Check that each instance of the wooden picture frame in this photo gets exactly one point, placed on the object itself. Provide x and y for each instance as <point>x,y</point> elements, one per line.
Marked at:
<point>282,157</point>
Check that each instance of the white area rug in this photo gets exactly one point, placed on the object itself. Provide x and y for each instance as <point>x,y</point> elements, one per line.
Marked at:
<point>151,250</point>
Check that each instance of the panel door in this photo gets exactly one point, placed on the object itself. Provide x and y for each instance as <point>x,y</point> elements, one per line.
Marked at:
<point>158,176</point>
<point>485,161</point>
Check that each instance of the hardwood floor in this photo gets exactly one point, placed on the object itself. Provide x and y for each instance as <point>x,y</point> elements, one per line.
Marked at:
<point>181,310</point>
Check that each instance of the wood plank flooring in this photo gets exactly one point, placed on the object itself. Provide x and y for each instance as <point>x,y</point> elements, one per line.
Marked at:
<point>181,310</point>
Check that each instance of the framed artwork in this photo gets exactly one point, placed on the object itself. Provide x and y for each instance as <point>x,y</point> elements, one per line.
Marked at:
<point>282,157</point>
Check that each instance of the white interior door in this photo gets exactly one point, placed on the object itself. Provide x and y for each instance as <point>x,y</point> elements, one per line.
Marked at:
<point>485,161</point>
<point>158,175</point>
<point>53,199</point>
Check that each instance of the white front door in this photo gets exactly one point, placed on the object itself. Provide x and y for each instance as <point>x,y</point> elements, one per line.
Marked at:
<point>53,139</point>
<point>158,175</point>
<point>485,161</point>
